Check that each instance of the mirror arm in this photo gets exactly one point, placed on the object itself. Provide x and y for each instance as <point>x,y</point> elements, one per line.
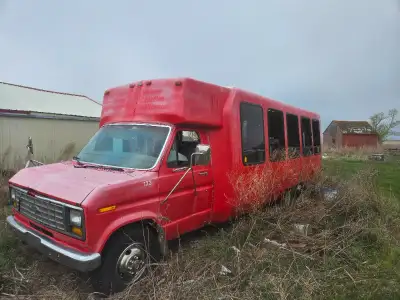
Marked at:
<point>183,176</point>
<point>191,167</point>
<point>179,169</point>
<point>176,185</point>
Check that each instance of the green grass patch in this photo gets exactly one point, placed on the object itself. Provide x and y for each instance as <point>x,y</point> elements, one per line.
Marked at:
<point>388,173</point>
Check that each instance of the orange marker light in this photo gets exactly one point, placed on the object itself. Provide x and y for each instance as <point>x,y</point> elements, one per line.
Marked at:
<point>107,208</point>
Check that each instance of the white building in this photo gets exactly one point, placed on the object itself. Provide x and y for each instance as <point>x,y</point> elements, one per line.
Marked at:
<point>60,124</point>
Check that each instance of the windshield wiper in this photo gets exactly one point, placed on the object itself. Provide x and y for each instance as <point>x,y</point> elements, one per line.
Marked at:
<point>81,165</point>
<point>77,159</point>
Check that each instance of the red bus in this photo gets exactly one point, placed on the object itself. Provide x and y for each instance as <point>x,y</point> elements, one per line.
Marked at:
<point>160,163</point>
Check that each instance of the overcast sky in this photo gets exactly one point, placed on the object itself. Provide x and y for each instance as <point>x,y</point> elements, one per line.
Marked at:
<point>340,58</point>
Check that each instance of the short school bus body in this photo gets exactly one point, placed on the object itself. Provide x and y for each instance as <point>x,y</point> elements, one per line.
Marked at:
<point>148,133</point>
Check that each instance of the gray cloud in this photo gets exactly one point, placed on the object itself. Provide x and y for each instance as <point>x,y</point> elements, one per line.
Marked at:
<point>339,58</point>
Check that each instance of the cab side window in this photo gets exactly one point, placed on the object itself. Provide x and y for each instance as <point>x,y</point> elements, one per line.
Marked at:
<point>184,146</point>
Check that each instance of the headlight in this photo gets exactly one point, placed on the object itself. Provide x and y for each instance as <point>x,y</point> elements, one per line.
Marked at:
<point>13,195</point>
<point>14,201</point>
<point>75,218</point>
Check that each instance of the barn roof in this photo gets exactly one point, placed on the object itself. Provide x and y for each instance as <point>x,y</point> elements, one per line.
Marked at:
<point>23,99</point>
<point>354,127</point>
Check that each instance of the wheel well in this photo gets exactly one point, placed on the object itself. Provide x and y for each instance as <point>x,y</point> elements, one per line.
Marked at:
<point>151,224</point>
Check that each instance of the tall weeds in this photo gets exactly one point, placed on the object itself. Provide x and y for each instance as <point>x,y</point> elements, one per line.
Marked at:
<point>349,251</point>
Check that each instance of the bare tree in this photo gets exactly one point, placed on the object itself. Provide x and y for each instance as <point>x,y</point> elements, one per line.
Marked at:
<point>383,124</point>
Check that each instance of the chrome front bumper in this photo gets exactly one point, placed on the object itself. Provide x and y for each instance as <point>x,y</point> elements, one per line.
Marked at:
<point>69,257</point>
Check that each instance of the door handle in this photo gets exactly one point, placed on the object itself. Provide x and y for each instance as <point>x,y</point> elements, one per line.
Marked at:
<point>204,173</point>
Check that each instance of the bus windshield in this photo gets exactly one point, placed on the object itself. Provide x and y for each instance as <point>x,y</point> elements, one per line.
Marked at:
<point>133,146</point>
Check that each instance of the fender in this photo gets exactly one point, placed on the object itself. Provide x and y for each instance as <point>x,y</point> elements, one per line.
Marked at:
<point>129,219</point>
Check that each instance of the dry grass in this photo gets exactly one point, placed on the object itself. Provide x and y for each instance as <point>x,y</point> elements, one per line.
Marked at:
<point>350,252</point>
<point>362,153</point>
<point>336,255</point>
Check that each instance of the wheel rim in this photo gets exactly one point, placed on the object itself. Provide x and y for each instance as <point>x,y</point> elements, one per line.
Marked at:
<point>131,263</point>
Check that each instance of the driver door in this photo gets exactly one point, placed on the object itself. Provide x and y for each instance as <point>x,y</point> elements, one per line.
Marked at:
<point>184,209</point>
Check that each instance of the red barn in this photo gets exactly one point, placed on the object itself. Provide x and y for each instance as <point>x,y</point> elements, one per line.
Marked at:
<point>355,134</point>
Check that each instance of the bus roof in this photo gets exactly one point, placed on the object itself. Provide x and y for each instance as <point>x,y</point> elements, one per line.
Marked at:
<point>178,101</point>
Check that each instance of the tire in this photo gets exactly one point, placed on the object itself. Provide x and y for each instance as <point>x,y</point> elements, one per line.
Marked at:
<point>119,249</point>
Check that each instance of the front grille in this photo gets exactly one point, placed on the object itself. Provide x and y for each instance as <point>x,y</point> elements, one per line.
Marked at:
<point>41,210</point>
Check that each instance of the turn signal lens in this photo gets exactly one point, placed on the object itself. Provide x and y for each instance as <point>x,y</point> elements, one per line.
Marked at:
<point>76,230</point>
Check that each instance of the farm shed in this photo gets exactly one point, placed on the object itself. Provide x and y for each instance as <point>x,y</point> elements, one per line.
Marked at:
<point>60,124</point>
<point>354,134</point>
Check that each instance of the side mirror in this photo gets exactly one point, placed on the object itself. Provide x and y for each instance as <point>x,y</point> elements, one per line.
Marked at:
<point>202,155</point>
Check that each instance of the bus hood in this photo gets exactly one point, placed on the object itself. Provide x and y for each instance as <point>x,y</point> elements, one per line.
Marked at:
<point>62,181</point>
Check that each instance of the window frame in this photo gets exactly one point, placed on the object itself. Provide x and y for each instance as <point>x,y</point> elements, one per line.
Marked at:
<point>304,147</point>
<point>284,158</point>
<point>316,148</point>
<point>246,134</point>
<point>297,153</point>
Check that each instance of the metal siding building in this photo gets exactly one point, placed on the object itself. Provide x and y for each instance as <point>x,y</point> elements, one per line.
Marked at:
<point>353,134</point>
<point>392,146</point>
<point>60,124</point>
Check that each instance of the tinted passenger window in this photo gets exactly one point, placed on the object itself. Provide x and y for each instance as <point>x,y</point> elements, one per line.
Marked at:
<point>292,127</point>
<point>184,145</point>
<point>316,136</point>
<point>276,133</point>
<point>252,130</point>
<point>306,135</point>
